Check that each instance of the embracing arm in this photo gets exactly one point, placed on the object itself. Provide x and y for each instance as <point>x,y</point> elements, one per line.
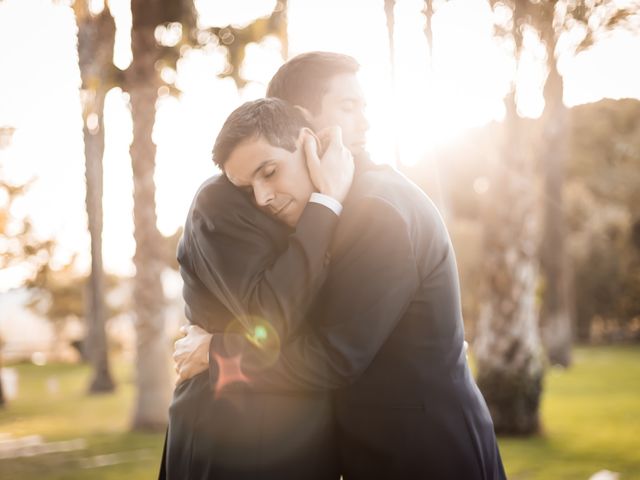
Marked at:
<point>234,253</point>
<point>371,286</point>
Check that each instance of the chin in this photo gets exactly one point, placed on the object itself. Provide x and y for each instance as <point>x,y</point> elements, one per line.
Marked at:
<point>288,221</point>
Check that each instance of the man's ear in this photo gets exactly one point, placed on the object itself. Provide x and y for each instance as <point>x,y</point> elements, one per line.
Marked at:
<point>307,131</point>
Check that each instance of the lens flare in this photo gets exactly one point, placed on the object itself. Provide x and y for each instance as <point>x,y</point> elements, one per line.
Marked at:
<point>229,371</point>
<point>261,334</point>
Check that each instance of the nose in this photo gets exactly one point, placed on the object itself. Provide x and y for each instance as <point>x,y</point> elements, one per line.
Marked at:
<point>264,196</point>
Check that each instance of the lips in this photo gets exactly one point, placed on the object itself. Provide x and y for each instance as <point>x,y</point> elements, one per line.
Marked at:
<point>281,210</point>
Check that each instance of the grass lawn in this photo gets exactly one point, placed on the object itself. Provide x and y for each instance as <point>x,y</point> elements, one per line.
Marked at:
<point>52,402</point>
<point>591,420</point>
<point>591,416</point>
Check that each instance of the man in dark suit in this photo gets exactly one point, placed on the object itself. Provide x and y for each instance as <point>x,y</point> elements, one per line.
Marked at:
<point>385,330</point>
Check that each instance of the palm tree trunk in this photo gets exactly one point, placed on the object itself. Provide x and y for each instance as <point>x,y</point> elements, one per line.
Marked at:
<point>96,350</point>
<point>280,19</point>
<point>557,331</point>
<point>152,379</point>
<point>2,400</point>
<point>428,30</point>
<point>507,344</point>
<point>507,348</point>
<point>389,8</point>
<point>96,37</point>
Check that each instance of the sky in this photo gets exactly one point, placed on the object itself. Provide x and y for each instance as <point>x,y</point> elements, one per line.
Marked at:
<point>419,110</point>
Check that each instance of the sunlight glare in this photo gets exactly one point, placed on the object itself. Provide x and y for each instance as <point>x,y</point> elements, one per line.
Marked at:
<point>96,6</point>
<point>39,97</point>
<point>262,60</point>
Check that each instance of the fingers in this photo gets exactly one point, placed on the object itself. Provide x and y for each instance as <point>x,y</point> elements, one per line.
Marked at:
<point>310,147</point>
<point>324,135</point>
<point>313,161</point>
<point>330,138</point>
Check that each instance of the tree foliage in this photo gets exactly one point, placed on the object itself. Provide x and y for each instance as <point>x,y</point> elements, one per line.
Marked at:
<point>604,223</point>
<point>20,245</point>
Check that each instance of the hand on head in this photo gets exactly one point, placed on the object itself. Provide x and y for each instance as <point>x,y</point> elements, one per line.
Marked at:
<point>329,162</point>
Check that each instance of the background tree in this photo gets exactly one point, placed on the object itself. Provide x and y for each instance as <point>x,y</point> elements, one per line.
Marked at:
<point>507,344</point>
<point>19,246</point>
<point>389,13</point>
<point>142,83</point>
<point>554,21</point>
<point>428,12</point>
<point>236,39</point>
<point>96,37</point>
<point>6,133</point>
<point>150,17</point>
<point>603,174</point>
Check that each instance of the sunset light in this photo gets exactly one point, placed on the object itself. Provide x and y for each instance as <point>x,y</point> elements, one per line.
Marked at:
<point>429,103</point>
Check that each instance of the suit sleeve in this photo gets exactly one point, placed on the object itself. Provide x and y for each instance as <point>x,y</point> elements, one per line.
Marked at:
<point>373,282</point>
<point>233,255</point>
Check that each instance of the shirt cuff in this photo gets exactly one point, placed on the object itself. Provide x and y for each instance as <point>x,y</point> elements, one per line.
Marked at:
<point>331,203</point>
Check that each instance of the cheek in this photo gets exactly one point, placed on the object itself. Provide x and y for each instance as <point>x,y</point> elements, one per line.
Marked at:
<point>294,180</point>
<point>346,122</point>
<point>331,119</point>
<point>303,186</point>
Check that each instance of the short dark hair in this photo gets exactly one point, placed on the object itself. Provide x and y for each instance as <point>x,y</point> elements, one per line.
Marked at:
<point>274,119</point>
<point>304,79</point>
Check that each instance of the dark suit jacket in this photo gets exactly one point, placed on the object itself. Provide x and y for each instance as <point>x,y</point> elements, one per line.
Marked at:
<point>386,332</point>
<point>239,268</point>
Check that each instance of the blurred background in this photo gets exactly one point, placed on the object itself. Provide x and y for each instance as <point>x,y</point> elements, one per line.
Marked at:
<point>519,118</point>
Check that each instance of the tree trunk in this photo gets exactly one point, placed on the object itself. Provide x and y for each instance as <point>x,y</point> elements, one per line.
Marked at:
<point>389,12</point>
<point>428,31</point>
<point>389,7</point>
<point>557,331</point>
<point>152,379</point>
<point>96,37</point>
<point>97,350</point>
<point>507,344</point>
<point>281,18</point>
<point>2,400</point>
